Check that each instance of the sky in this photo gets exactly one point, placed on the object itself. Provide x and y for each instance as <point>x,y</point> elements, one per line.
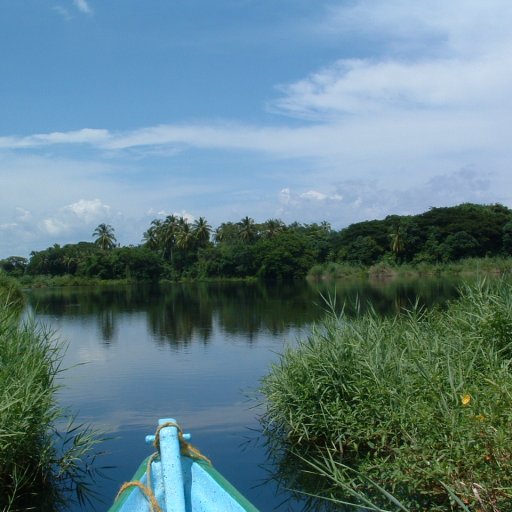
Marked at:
<point>122,111</point>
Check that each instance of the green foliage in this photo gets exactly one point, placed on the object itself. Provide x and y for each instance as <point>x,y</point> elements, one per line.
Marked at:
<point>247,230</point>
<point>10,293</point>
<point>57,260</point>
<point>124,263</point>
<point>332,270</point>
<point>417,403</point>
<point>507,238</point>
<point>105,238</point>
<point>14,265</point>
<point>441,234</point>
<point>243,249</point>
<point>364,250</point>
<point>460,245</point>
<point>32,471</point>
<point>284,256</point>
<point>227,233</point>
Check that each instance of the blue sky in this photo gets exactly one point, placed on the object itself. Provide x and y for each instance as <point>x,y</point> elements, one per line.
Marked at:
<point>307,110</point>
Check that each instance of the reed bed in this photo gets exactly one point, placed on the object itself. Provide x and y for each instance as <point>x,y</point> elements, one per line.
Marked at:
<point>409,413</point>
<point>39,463</point>
<point>492,266</point>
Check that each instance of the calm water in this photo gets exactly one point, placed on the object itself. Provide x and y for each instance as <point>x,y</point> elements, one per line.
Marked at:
<point>195,353</point>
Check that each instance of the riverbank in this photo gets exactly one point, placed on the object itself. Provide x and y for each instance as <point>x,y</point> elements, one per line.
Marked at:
<point>326,272</point>
<point>67,280</point>
<point>417,404</point>
<point>495,266</point>
<point>39,463</point>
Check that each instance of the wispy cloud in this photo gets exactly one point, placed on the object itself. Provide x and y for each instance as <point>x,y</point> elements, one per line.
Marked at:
<point>82,6</point>
<point>401,133</point>
<point>439,86</point>
<point>412,56</point>
<point>366,87</point>
<point>63,12</point>
<point>410,29</point>
<point>356,200</point>
<point>83,136</point>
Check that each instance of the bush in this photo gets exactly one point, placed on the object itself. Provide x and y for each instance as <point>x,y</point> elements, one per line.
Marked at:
<point>419,403</point>
<point>32,473</point>
<point>333,270</point>
<point>10,292</point>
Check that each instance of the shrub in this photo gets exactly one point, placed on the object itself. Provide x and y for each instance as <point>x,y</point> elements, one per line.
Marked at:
<point>32,472</point>
<point>416,404</point>
<point>10,292</point>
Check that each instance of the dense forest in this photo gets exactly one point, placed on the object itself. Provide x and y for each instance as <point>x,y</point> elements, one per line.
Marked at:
<point>174,248</point>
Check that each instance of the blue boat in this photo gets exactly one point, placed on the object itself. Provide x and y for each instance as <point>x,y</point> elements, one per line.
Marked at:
<point>178,478</point>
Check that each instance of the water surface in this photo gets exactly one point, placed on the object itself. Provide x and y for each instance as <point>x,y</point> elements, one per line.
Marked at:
<point>194,352</point>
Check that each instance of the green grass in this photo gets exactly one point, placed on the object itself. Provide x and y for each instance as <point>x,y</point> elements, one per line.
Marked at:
<point>42,281</point>
<point>10,293</point>
<point>418,406</point>
<point>39,463</point>
<point>389,269</point>
<point>333,270</point>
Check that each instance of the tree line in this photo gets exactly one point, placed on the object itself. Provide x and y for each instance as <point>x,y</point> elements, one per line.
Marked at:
<point>175,248</point>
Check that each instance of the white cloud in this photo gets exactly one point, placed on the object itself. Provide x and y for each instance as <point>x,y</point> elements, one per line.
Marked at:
<point>189,217</point>
<point>89,210</point>
<point>83,136</point>
<point>363,199</point>
<point>314,195</point>
<point>23,215</point>
<point>81,217</point>
<point>186,215</point>
<point>284,196</point>
<point>63,12</point>
<point>55,227</point>
<point>401,26</point>
<point>408,133</point>
<point>436,55</point>
<point>376,88</point>
<point>82,6</point>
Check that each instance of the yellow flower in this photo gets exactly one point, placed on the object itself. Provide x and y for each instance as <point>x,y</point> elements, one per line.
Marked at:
<point>466,399</point>
<point>480,417</point>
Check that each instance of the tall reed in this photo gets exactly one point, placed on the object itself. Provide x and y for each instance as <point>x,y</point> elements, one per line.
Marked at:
<point>36,471</point>
<point>418,406</point>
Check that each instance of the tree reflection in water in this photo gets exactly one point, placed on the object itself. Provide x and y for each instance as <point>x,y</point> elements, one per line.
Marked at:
<point>179,313</point>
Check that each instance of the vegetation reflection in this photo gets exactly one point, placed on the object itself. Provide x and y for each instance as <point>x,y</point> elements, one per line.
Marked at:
<point>178,313</point>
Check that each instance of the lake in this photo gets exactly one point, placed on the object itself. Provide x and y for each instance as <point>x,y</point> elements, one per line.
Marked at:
<point>195,352</point>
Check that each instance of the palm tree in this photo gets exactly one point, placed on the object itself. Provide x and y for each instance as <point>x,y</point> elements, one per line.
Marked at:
<point>227,232</point>
<point>105,237</point>
<point>247,229</point>
<point>202,230</point>
<point>169,228</point>
<point>151,237</point>
<point>397,243</point>
<point>69,260</point>
<point>184,236</point>
<point>273,227</point>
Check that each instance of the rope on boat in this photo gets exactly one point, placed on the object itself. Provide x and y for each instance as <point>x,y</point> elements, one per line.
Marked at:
<point>148,468</point>
<point>147,491</point>
<point>185,449</point>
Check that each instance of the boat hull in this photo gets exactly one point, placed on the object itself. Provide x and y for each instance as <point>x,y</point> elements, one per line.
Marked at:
<point>180,483</point>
